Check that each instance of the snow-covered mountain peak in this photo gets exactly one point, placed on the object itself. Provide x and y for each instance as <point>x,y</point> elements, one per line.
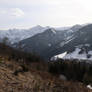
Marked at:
<point>38,27</point>
<point>53,31</point>
<point>49,31</point>
<point>62,28</point>
<point>15,35</point>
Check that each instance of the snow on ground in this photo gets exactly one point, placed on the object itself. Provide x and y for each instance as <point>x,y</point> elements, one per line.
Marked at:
<point>62,44</point>
<point>69,40</point>
<point>69,37</point>
<point>88,45</point>
<point>59,56</point>
<point>66,42</point>
<point>90,52</point>
<point>73,55</point>
<point>70,31</point>
<point>89,86</point>
<point>81,45</point>
<point>54,32</point>
<point>49,45</point>
<point>62,28</point>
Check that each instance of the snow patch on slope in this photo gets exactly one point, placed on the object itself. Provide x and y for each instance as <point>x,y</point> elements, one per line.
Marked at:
<point>62,28</point>
<point>60,56</point>
<point>69,39</point>
<point>89,86</point>
<point>74,55</point>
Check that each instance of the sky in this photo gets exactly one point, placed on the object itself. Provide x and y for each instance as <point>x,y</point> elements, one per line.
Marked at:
<point>55,13</point>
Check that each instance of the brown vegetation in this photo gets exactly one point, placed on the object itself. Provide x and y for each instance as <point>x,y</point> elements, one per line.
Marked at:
<point>22,72</point>
<point>33,81</point>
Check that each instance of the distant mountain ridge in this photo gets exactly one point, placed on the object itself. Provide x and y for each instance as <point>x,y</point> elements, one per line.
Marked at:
<point>81,46</point>
<point>49,41</point>
<point>16,35</point>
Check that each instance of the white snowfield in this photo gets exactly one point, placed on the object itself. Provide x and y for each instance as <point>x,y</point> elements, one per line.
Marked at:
<point>74,55</point>
<point>60,56</point>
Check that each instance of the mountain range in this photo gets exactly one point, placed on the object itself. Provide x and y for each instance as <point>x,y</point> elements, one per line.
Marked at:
<point>50,43</point>
<point>16,35</point>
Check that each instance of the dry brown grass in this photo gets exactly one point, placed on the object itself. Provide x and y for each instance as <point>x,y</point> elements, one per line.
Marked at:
<point>33,81</point>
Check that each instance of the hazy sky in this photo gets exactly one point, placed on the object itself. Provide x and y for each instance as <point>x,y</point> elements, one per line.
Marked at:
<point>28,13</point>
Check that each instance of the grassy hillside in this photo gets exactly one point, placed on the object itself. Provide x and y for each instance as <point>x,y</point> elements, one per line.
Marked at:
<point>21,72</point>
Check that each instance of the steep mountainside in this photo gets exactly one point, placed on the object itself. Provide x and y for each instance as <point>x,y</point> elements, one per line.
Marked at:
<point>75,40</point>
<point>16,35</point>
<point>49,41</point>
<point>80,46</point>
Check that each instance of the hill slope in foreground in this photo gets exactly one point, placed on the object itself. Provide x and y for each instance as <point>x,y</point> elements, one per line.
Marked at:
<point>33,81</point>
<point>19,77</point>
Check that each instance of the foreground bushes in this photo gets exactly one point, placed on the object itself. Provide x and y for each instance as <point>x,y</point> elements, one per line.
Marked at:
<point>17,55</point>
<point>73,70</point>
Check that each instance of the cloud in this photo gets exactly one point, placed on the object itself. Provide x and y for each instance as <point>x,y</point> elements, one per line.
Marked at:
<point>16,12</point>
<point>2,11</point>
<point>45,12</point>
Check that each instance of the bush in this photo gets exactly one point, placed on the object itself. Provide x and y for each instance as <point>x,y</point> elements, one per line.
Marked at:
<point>73,70</point>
